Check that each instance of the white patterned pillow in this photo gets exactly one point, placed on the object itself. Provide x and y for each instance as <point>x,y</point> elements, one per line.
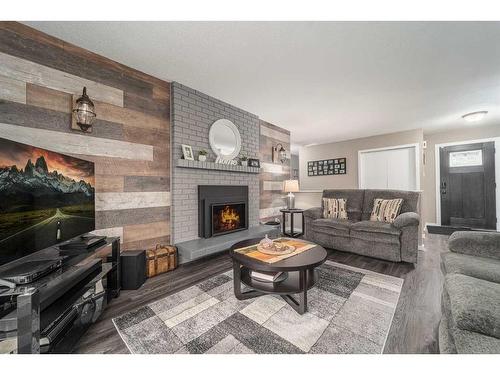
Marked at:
<point>386,210</point>
<point>334,208</point>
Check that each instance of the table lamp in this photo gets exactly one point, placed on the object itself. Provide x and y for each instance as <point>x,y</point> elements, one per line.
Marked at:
<point>290,187</point>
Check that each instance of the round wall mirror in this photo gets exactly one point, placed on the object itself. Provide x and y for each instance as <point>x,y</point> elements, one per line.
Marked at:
<point>225,139</point>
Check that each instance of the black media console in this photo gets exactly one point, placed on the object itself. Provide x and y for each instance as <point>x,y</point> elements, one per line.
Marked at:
<point>52,313</point>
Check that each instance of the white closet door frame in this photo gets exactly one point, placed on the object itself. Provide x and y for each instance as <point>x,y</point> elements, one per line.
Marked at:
<point>416,148</point>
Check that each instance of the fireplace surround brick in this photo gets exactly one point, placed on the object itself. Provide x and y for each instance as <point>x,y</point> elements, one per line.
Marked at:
<point>192,115</point>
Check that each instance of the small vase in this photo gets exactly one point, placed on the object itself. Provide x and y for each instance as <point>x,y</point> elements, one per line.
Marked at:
<point>202,157</point>
<point>244,163</point>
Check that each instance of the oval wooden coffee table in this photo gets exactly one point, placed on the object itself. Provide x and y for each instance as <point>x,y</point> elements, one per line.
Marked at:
<point>300,268</point>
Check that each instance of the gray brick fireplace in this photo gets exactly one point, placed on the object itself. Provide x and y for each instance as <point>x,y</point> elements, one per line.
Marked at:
<point>192,115</point>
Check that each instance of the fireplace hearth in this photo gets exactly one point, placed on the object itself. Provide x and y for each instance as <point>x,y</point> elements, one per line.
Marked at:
<point>222,209</point>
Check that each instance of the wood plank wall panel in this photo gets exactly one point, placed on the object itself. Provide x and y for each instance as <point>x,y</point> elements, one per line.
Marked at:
<point>75,143</point>
<point>146,183</point>
<point>109,201</point>
<point>26,43</point>
<point>272,174</point>
<point>106,183</point>
<point>12,89</point>
<point>130,145</point>
<point>29,72</point>
<point>31,116</point>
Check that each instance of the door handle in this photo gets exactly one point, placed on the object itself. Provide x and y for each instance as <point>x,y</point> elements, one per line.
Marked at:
<point>443,187</point>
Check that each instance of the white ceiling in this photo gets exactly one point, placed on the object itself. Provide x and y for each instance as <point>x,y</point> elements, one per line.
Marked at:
<point>324,81</point>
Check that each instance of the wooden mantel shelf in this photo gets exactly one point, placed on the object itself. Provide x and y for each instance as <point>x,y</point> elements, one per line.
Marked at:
<point>207,165</point>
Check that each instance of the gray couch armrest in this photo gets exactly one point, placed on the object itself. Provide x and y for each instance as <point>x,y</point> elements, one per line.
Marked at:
<point>481,244</point>
<point>314,213</point>
<point>407,219</point>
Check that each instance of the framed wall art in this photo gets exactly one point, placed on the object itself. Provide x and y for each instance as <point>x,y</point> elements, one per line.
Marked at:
<point>327,167</point>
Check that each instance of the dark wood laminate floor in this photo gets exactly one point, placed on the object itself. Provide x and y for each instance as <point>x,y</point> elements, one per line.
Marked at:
<point>413,330</point>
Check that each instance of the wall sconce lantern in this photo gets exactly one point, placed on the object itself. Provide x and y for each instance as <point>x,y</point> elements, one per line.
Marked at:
<point>83,113</point>
<point>279,153</point>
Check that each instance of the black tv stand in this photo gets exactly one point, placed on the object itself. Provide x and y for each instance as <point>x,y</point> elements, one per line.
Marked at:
<point>51,314</point>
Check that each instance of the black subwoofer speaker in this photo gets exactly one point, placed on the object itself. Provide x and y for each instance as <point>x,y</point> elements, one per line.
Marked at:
<point>133,269</point>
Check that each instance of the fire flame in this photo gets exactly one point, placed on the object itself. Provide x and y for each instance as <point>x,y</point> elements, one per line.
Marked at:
<point>229,216</point>
<point>227,219</point>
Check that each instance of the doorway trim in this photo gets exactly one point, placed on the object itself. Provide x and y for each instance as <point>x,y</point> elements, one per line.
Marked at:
<point>437,168</point>
<point>415,146</point>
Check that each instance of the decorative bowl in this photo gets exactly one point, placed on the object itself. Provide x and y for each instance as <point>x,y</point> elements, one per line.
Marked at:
<point>275,249</point>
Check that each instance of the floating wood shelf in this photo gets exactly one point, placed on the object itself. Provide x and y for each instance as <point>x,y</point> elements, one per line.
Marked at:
<point>182,163</point>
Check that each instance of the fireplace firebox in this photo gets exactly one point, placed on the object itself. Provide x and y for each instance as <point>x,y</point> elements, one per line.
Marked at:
<point>228,218</point>
<point>222,209</point>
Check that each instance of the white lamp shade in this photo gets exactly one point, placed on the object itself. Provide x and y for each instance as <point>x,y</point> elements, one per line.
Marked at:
<point>291,186</point>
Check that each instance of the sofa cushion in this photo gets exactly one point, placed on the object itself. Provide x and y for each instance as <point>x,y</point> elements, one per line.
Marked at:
<point>467,342</point>
<point>375,231</point>
<point>455,340</point>
<point>354,198</point>
<point>375,227</point>
<point>474,304</point>
<point>481,244</point>
<point>478,267</point>
<point>334,227</point>
<point>410,200</point>
<point>386,210</point>
<point>334,208</point>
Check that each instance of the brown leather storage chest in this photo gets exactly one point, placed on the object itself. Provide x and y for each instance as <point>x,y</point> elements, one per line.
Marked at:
<point>161,259</point>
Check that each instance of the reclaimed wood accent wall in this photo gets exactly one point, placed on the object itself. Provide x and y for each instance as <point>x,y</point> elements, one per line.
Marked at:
<point>272,174</point>
<point>130,144</point>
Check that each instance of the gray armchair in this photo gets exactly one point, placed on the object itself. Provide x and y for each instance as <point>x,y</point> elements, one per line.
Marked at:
<point>470,321</point>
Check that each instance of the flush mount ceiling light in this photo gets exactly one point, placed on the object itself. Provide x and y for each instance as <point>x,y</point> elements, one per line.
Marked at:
<point>474,116</point>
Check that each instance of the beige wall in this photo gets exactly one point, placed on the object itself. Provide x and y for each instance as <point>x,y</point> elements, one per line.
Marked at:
<point>349,150</point>
<point>454,135</point>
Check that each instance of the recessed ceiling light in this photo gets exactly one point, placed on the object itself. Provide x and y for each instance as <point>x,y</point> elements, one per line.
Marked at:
<point>474,116</point>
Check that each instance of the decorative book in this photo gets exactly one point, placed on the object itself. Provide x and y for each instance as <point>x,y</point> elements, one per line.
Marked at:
<point>265,276</point>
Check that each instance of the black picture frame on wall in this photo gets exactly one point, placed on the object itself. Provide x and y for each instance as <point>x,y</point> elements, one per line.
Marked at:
<point>328,167</point>
<point>255,163</point>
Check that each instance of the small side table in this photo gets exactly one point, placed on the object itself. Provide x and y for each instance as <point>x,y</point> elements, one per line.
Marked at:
<point>292,211</point>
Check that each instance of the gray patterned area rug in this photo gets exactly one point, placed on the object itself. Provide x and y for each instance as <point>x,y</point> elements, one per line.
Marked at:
<point>350,310</point>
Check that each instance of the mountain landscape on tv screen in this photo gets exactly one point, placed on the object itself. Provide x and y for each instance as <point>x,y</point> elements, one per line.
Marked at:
<point>19,188</point>
<point>45,197</point>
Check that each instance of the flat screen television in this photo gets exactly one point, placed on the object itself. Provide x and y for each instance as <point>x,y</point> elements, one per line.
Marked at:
<point>45,198</point>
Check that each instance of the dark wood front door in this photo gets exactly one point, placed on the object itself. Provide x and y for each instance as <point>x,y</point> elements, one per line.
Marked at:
<point>468,185</point>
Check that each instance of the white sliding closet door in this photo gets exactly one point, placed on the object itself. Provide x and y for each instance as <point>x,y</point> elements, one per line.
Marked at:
<point>395,168</point>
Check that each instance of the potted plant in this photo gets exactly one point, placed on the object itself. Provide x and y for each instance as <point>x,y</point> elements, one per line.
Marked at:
<point>202,155</point>
<point>244,161</point>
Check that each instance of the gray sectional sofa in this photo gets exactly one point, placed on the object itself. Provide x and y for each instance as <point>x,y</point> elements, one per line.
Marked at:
<point>471,295</point>
<point>397,242</point>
